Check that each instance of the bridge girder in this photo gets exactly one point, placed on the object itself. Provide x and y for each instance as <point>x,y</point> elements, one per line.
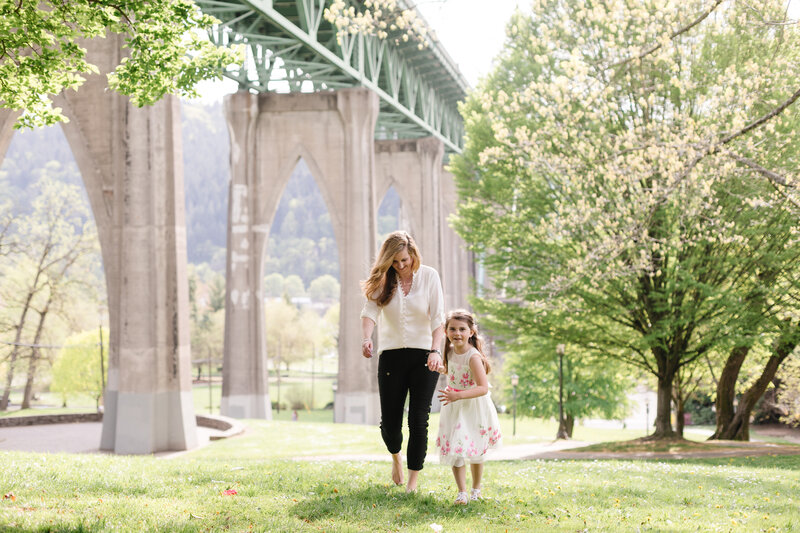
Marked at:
<point>292,48</point>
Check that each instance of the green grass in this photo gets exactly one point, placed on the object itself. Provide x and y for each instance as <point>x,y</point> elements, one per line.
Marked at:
<point>278,490</point>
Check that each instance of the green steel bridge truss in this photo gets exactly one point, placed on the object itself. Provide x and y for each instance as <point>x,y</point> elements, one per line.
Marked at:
<point>291,47</point>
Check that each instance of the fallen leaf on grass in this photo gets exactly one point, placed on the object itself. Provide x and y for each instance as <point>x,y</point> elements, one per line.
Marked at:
<point>197,516</point>
<point>229,492</point>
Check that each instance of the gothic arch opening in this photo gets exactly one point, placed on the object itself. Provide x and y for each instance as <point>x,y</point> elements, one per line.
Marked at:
<point>301,297</point>
<point>391,215</point>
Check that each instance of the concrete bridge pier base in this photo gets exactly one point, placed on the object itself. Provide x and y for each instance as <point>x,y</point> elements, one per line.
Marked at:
<point>131,162</point>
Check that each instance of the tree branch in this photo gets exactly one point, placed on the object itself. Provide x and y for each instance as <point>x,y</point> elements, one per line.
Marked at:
<point>674,34</point>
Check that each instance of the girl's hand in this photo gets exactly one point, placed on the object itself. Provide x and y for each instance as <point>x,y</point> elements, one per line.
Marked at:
<point>435,362</point>
<point>366,348</point>
<point>448,395</point>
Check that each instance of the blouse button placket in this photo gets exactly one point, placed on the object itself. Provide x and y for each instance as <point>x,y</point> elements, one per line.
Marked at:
<point>404,317</point>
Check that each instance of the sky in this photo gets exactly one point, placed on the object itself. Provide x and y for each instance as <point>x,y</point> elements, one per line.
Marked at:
<point>471,31</point>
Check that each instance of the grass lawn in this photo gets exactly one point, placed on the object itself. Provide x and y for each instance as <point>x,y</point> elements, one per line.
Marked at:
<point>277,490</point>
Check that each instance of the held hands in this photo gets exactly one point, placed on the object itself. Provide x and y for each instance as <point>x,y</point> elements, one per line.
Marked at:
<point>435,362</point>
<point>448,396</point>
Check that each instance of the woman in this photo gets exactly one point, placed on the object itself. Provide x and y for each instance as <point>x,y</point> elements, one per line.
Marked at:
<point>404,297</point>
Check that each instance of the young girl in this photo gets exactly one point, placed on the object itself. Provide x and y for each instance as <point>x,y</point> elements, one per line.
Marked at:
<point>468,425</point>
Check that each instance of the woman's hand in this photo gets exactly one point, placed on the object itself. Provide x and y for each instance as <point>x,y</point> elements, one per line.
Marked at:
<point>448,395</point>
<point>366,348</point>
<point>435,362</point>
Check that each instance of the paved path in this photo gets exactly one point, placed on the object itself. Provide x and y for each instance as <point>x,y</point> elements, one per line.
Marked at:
<point>82,437</point>
<point>85,438</point>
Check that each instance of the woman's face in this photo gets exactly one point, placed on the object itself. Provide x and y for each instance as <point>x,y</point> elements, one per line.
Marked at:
<point>402,263</point>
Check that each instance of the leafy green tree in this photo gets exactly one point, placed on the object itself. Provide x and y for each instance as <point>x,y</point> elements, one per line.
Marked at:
<point>592,386</point>
<point>623,166</point>
<point>273,285</point>
<point>325,287</point>
<point>77,368</point>
<point>41,55</point>
<point>60,245</point>
<point>788,394</point>
<point>293,286</point>
<point>208,337</point>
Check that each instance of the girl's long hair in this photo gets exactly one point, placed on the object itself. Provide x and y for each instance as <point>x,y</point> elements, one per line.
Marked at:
<point>475,340</point>
<point>382,280</point>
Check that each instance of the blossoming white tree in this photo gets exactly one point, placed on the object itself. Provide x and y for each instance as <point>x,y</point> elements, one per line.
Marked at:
<point>636,162</point>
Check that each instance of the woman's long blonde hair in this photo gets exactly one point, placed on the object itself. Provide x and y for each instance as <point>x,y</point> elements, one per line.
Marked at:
<point>475,340</point>
<point>382,280</point>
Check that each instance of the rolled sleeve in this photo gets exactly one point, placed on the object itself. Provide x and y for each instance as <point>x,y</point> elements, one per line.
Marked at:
<point>370,310</point>
<point>436,301</point>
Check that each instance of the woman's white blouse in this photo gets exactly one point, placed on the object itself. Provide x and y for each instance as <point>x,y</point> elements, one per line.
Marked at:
<point>408,321</point>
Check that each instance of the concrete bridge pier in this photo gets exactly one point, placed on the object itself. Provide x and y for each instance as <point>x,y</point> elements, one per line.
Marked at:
<point>131,162</point>
<point>413,167</point>
<point>458,266</point>
<point>245,392</point>
<point>333,133</point>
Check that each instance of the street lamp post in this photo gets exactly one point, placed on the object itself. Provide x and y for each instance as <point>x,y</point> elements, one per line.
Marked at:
<point>514,383</point>
<point>313,359</point>
<point>562,426</point>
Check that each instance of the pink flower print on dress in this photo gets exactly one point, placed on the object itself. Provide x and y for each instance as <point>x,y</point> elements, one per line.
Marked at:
<point>459,449</point>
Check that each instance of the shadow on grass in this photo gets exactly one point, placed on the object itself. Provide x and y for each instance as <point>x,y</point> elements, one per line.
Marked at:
<point>389,506</point>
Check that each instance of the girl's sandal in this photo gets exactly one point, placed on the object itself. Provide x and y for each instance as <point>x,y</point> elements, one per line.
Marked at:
<point>475,495</point>
<point>461,499</point>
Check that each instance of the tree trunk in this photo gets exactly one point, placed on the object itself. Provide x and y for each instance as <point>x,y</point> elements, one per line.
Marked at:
<point>679,400</point>
<point>679,414</point>
<point>13,357</point>
<point>739,427</point>
<point>28,395</point>
<point>563,432</point>
<point>569,422</point>
<point>9,378</point>
<point>726,390</point>
<point>667,369</point>
<point>18,336</point>
<point>663,410</point>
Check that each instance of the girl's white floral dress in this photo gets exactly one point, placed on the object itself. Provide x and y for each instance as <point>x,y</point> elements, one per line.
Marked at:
<point>467,428</point>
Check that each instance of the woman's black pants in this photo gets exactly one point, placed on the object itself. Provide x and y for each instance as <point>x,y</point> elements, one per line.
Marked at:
<point>404,372</point>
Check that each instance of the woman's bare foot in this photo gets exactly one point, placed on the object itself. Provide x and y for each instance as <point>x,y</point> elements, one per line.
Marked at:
<point>397,469</point>
<point>412,481</point>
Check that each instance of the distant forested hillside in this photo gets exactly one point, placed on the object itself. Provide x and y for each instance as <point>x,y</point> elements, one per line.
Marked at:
<point>301,237</point>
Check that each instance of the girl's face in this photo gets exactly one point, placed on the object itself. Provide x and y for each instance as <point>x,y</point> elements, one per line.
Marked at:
<point>402,263</point>
<point>459,333</point>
